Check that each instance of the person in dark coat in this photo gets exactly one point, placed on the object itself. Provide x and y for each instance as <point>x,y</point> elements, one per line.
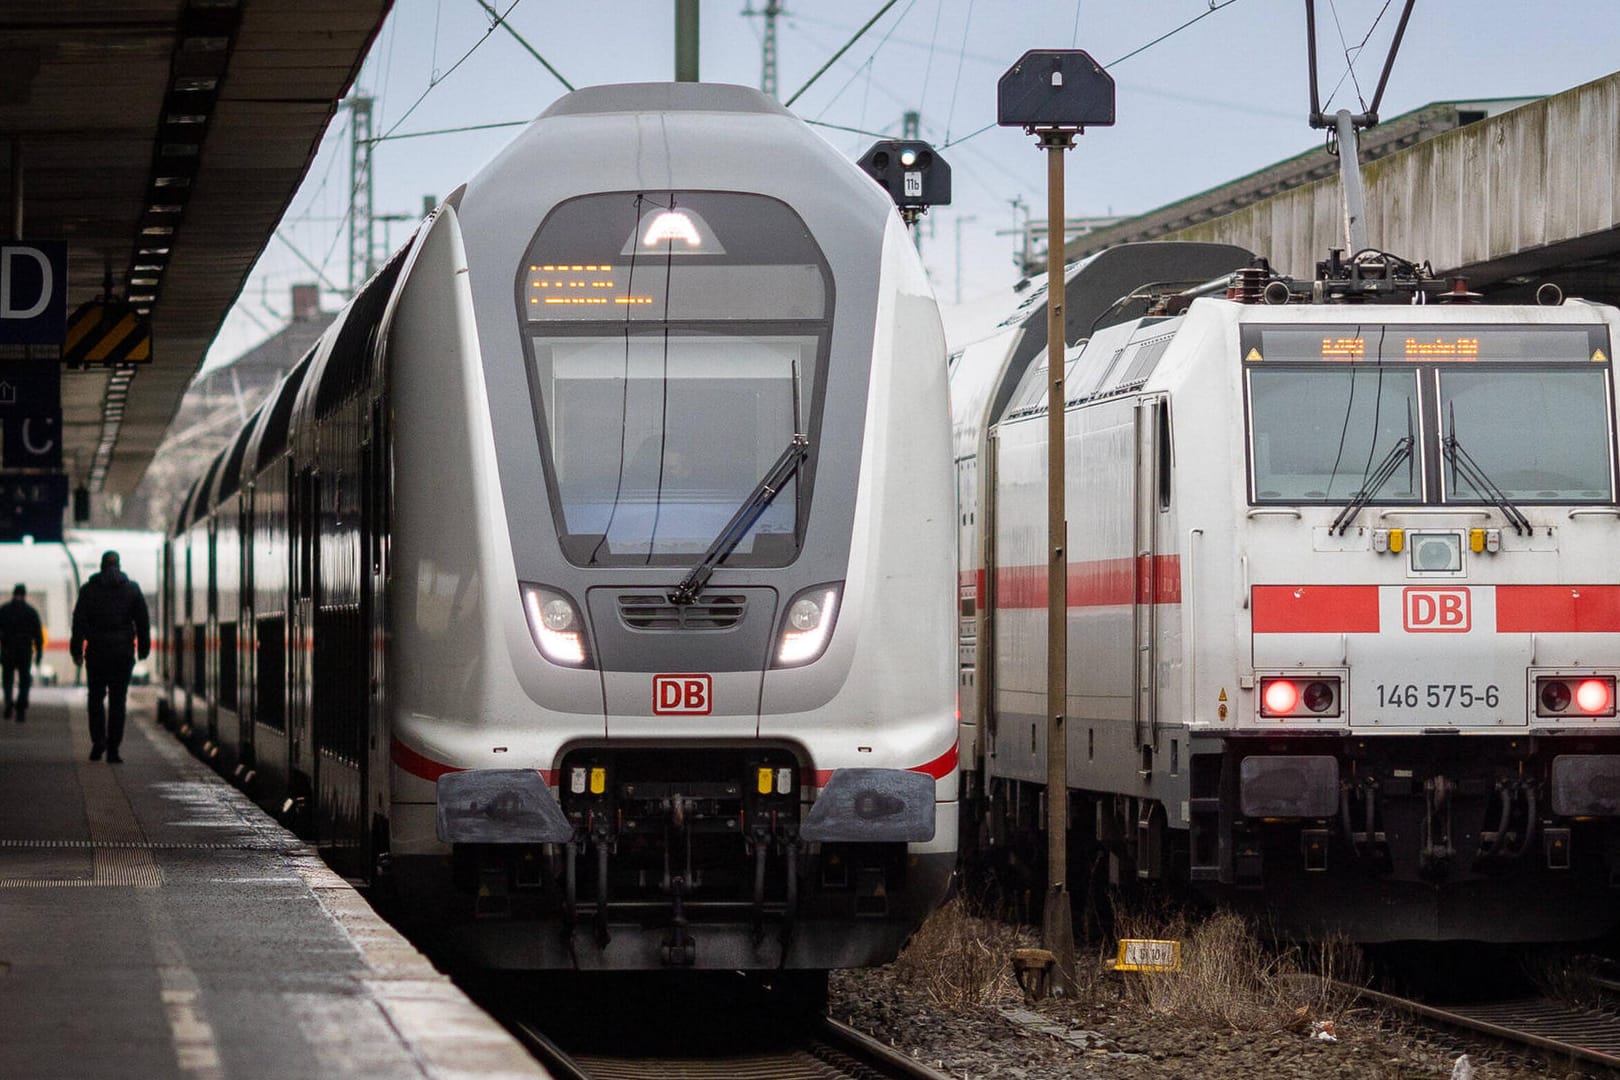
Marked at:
<point>22,641</point>
<point>109,626</point>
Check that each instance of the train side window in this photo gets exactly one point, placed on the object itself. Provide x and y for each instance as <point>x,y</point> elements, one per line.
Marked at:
<point>307,513</point>
<point>227,665</point>
<point>272,671</point>
<point>1162,415</point>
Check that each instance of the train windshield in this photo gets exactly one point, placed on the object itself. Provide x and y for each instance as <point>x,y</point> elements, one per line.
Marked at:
<point>1496,413</point>
<point>1320,433</point>
<point>677,343</point>
<point>1535,435</point>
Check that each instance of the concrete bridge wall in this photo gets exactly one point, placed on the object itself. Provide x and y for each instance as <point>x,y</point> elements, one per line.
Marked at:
<point>1521,193</point>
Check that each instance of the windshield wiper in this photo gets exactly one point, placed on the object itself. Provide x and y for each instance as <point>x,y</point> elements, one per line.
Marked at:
<point>1400,452</point>
<point>758,501</point>
<point>1462,463</point>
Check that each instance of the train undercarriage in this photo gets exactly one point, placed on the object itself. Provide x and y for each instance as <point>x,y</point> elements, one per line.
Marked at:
<point>1375,839</point>
<point>687,859</point>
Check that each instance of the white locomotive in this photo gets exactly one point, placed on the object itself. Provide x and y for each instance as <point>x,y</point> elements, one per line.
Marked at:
<point>1343,593</point>
<point>592,575</point>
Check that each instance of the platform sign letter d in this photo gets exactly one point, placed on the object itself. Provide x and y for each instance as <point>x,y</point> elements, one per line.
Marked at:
<point>33,293</point>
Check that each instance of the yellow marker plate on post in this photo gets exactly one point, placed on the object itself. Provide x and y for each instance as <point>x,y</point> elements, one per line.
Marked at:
<point>1145,954</point>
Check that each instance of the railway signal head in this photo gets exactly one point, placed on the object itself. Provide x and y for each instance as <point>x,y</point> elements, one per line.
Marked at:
<point>1055,89</point>
<point>912,172</point>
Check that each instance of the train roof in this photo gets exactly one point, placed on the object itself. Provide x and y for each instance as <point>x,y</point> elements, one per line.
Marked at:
<point>663,97</point>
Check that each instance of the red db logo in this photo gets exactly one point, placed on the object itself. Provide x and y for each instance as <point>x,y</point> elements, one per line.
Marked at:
<point>682,695</point>
<point>1436,611</point>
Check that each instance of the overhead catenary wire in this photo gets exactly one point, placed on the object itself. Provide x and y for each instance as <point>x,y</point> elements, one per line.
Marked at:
<point>500,20</point>
<point>967,24</point>
<point>834,58</point>
<point>1213,8</point>
<point>452,130</point>
<point>435,79</point>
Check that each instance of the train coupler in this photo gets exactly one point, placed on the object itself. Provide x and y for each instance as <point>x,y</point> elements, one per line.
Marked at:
<point>679,949</point>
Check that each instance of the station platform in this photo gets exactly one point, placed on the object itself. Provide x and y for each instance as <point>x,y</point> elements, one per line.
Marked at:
<point>155,923</point>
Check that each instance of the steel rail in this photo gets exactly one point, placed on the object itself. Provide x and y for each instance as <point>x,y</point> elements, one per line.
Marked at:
<point>1469,1018</point>
<point>885,1059</point>
<point>828,1045</point>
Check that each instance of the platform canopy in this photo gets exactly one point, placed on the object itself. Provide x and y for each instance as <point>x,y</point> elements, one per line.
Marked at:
<point>162,140</point>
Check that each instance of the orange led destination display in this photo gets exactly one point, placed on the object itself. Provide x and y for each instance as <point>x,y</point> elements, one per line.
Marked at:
<point>578,285</point>
<point>1391,343</point>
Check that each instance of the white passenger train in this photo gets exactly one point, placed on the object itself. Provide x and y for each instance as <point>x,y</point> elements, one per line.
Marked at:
<point>592,576</point>
<point>1343,593</point>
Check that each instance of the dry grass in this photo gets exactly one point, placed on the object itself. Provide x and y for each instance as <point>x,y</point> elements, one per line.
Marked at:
<point>958,959</point>
<point>1231,979</point>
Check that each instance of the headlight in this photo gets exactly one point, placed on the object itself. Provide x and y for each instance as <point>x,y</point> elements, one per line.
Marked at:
<point>555,624</point>
<point>807,626</point>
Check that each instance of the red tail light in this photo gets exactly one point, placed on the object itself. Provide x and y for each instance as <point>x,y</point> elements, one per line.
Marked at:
<point>1575,695</point>
<point>1593,696</point>
<point>1279,696</point>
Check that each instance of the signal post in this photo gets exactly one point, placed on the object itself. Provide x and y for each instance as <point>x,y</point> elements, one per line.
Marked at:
<point>1054,94</point>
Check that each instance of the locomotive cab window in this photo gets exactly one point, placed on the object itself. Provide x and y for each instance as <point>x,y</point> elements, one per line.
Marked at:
<point>677,343</point>
<point>1559,448</point>
<point>1431,414</point>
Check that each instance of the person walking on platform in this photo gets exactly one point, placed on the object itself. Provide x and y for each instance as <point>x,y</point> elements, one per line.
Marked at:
<point>22,641</point>
<point>109,626</point>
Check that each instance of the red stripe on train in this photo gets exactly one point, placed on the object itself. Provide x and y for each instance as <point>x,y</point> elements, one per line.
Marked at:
<point>939,768</point>
<point>1315,609</point>
<point>421,765</point>
<point>1098,583</point>
<point>1555,609</point>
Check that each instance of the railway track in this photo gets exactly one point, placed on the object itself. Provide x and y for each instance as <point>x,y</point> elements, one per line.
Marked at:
<point>1590,1036</point>
<point>828,1050</point>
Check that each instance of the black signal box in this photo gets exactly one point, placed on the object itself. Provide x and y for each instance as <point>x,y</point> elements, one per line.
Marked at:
<point>1055,88</point>
<point>912,172</point>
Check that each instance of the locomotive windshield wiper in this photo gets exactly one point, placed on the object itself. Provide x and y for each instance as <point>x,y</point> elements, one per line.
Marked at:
<point>1462,463</point>
<point>758,501</point>
<point>1400,452</point>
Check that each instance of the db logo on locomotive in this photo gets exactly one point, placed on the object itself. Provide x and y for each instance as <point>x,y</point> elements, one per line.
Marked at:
<point>682,695</point>
<point>1436,611</point>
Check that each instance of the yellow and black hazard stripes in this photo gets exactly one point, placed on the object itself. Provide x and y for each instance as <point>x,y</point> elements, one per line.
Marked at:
<point>107,332</point>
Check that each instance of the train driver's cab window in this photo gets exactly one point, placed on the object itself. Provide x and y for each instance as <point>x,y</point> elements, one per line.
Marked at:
<point>677,342</point>
<point>1440,413</point>
<point>1321,433</point>
<point>1558,450</point>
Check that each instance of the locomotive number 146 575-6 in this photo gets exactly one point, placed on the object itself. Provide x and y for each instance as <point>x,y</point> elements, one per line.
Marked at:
<point>1438,696</point>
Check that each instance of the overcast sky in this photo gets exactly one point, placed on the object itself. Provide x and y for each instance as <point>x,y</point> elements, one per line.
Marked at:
<point>1218,99</point>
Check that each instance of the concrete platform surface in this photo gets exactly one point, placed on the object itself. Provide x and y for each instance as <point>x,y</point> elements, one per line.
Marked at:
<point>155,923</point>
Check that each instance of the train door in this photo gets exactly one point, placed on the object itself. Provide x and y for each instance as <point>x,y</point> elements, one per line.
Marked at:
<point>302,761</point>
<point>373,571</point>
<point>187,652</point>
<point>967,592</point>
<point>245,672</point>
<point>208,684</point>
<point>166,623</point>
<point>1149,498</point>
<point>984,637</point>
